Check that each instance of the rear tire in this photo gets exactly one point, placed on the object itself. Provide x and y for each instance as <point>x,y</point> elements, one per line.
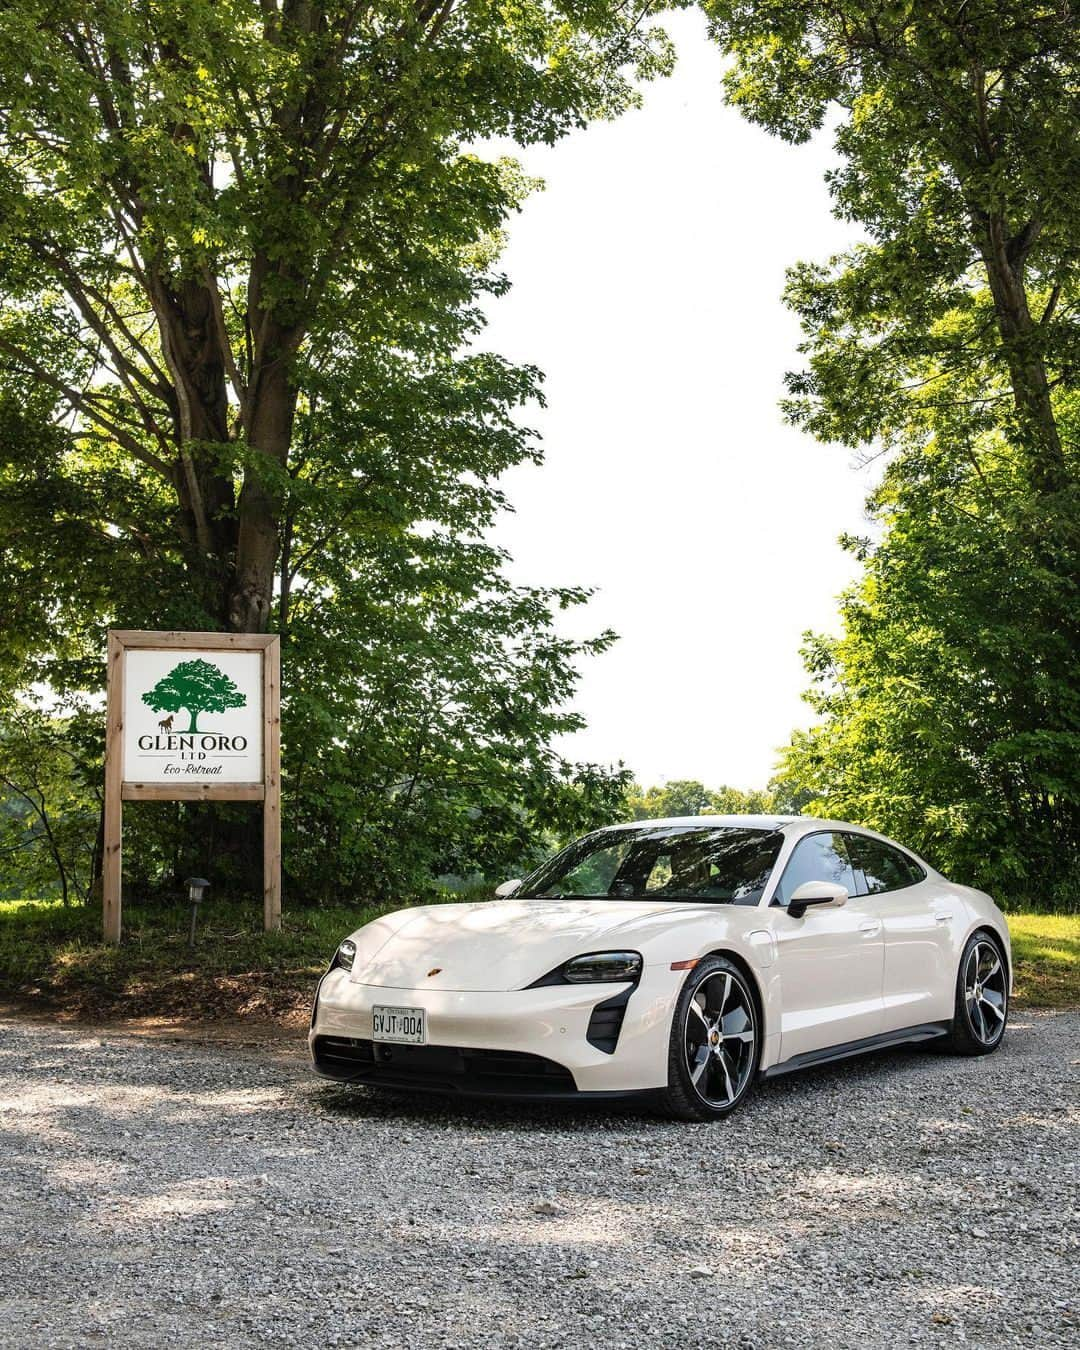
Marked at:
<point>982,997</point>
<point>715,1044</point>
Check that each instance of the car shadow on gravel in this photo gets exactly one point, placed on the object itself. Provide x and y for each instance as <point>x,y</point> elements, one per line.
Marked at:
<point>385,1104</point>
<point>362,1103</point>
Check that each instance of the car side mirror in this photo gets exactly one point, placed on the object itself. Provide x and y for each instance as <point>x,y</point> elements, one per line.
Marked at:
<point>815,893</point>
<point>507,889</point>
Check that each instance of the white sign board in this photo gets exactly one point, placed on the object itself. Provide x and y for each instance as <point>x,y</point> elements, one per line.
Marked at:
<point>193,716</point>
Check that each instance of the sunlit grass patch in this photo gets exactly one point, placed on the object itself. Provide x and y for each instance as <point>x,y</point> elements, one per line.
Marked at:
<point>1046,956</point>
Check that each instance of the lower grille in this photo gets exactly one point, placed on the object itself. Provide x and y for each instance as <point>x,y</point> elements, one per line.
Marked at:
<point>333,1052</point>
<point>441,1068</point>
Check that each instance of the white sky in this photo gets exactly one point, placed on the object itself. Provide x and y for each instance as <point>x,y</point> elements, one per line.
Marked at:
<point>646,285</point>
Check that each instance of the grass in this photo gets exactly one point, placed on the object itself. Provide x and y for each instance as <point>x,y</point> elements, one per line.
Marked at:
<point>1046,957</point>
<point>54,957</point>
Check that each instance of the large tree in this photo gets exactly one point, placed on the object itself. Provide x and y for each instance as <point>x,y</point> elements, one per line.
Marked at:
<point>243,250</point>
<point>948,341</point>
<point>197,197</point>
<point>957,130</point>
<point>950,702</point>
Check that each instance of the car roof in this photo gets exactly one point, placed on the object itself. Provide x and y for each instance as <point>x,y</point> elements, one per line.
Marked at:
<point>792,826</point>
<point>728,822</point>
<point>789,824</point>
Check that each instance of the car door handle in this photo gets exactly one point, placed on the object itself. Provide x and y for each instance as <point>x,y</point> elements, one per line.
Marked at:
<point>870,927</point>
<point>943,918</point>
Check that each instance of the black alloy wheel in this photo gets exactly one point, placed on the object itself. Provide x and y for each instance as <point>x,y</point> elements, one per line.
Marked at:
<point>982,997</point>
<point>715,1042</point>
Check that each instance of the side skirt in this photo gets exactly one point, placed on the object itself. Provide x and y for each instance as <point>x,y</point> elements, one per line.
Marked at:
<point>925,1031</point>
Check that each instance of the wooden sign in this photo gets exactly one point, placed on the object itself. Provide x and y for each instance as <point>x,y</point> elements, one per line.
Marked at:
<point>192,717</point>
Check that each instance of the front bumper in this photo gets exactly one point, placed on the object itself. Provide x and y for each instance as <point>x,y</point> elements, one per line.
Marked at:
<point>525,1042</point>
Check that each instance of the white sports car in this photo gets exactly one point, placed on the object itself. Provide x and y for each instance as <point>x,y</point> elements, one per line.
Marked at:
<point>678,958</point>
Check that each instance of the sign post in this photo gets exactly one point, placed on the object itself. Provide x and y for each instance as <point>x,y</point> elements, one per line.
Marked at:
<point>192,717</point>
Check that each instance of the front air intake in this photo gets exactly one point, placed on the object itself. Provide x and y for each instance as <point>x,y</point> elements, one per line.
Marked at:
<point>606,1022</point>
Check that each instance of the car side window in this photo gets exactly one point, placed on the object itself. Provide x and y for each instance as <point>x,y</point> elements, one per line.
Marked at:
<point>817,857</point>
<point>659,874</point>
<point>916,872</point>
<point>884,868</point>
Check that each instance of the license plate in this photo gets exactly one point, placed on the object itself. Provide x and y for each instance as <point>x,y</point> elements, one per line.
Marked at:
<point>404,1025</point>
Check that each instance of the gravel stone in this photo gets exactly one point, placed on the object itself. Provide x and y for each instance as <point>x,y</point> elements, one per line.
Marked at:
<point>166,1192</point>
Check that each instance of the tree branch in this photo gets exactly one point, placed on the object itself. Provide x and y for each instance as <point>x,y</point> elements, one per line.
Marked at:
<point>81,292</point>
<point>235,378</point>
<point>84,404</point>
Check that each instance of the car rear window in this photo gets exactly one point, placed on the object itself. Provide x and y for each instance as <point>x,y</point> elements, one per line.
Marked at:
<point>882,867</point>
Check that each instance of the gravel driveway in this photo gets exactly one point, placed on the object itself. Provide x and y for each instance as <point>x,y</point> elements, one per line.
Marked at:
<point>169,1193</point>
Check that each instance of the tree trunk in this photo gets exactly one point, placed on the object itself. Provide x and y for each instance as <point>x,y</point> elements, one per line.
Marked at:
<point>232,545</point>
<point>270,433</point>
<point>1040,438</point>
<point>191,346</point>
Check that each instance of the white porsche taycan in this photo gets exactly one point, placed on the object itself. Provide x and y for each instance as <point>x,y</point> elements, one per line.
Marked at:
<point>679,958</point>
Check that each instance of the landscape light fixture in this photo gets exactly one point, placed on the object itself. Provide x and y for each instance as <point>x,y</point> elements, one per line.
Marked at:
<point>197,888</point>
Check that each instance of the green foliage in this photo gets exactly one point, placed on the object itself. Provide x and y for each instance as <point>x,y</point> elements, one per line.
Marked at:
<point>429,750</point>
<point>948,341</point>
<point>201,202</point>
<point>48,812</point>
<point>685,797</point>
<point>950,705</point>
<point>243,247</point>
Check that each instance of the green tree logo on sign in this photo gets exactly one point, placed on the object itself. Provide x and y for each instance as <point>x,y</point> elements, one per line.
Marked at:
<point>197,686</point>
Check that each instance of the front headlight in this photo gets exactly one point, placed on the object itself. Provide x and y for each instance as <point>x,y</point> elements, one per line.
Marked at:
<point>345,955</point>
<point>602,968</point>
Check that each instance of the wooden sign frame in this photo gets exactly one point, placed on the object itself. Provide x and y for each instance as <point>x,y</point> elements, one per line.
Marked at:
<point>118,791</point>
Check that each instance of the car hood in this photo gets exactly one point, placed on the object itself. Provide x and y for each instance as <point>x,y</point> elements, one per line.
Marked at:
<point>498,945</point>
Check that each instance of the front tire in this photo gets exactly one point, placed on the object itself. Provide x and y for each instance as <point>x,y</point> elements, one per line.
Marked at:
<point>982,997</point>
<point>715,1043</point>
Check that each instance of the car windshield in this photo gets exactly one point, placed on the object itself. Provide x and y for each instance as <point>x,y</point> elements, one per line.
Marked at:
<point>719,864</point>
